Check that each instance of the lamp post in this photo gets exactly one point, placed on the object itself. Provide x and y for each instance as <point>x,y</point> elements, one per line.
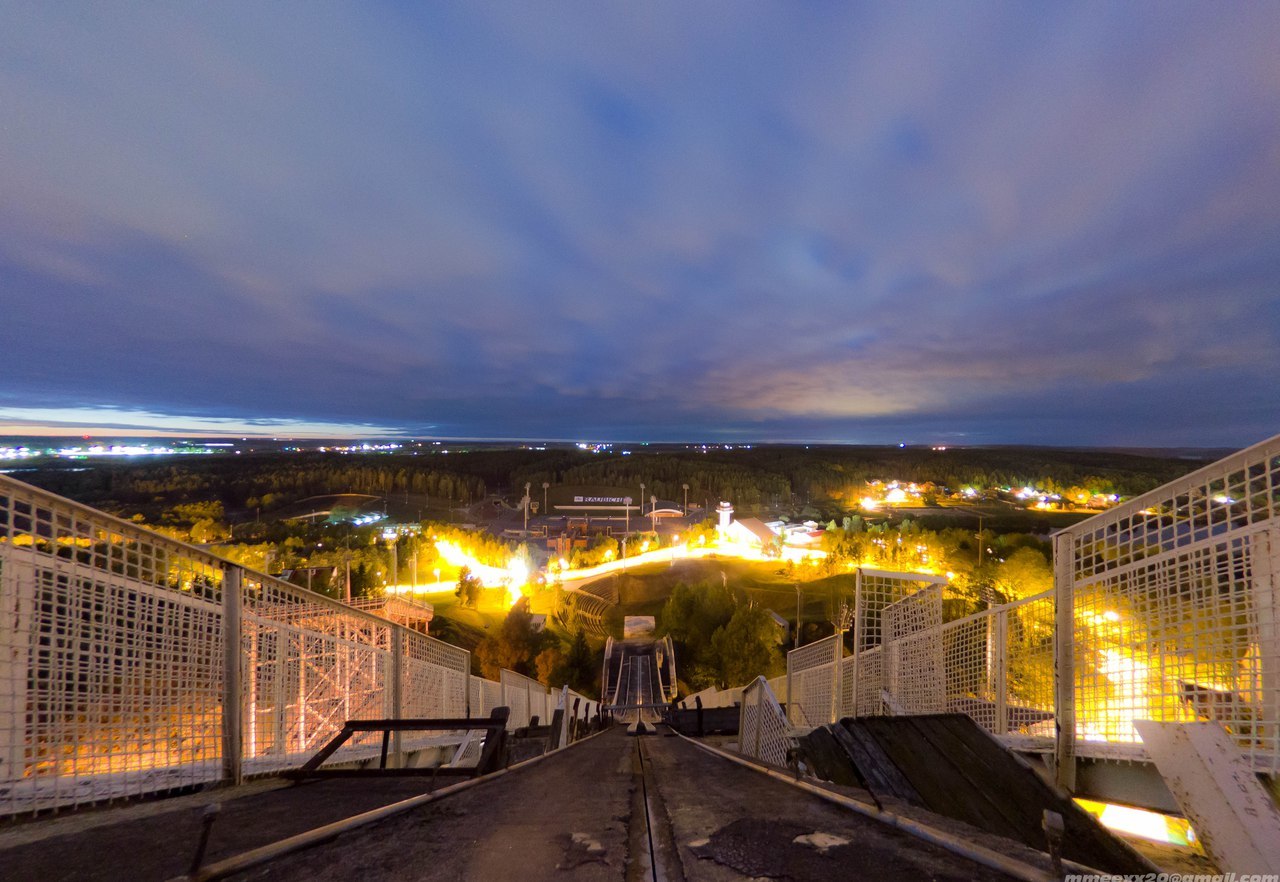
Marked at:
<point>626,507</point>
<point>525,503</point>
<point>545,486</point>
<point>799,613</point>
<point>642,498</point>
<point>653,516</point>
<point>391,536</point>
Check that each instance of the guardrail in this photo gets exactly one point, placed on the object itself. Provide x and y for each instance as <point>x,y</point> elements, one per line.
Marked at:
<point>1168,606</point>
<point>132,663</point>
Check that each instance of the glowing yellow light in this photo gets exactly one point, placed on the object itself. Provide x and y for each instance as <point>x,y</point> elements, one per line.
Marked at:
<point>1111,615</point>
<point>869,502</point>
<point>1139,822</point>
<point>895,496</point>
<point>518,572</point>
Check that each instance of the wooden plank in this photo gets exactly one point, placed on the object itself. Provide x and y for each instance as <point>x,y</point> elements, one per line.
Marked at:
<point>935,776</point>
<point>1232,814</point>
<point>879,772</point>
<point>1086,841</point>
<point>961,771</point>
<point>827,760</point>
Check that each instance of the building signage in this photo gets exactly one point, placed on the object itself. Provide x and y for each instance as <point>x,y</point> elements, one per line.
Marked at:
<point>616,500</point>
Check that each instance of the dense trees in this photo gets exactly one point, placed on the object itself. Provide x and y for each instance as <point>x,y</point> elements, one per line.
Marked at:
<point>469,587</point>
<point>718,640</point>
<point>518,646</point>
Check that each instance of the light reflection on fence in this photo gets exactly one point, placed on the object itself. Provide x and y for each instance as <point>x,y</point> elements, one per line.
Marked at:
<point>121,651</point>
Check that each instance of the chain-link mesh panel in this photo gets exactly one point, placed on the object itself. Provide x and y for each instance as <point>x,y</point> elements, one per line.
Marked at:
<point>1028,668</point>
<point>764,732</point>
<point>810,669</point>
<point>878,589</point>
<point>433,678</point>
<point>969,648</point>
<point>112,661</point>
<point>1174,609</point>
<point>111,656</point>
<point>485,696</point>
<point>526,698</point>
<point>913,653</point>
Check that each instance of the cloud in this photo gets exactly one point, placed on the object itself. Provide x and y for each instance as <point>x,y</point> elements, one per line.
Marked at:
<point>658,221</point>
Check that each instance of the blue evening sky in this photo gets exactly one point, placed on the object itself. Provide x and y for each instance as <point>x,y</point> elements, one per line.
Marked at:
<point>934,222</point>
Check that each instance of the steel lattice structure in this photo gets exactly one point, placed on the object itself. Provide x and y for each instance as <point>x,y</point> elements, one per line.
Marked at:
<point>132,663</point>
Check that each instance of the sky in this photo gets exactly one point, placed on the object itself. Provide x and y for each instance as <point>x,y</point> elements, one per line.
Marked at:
<point>868,223</point>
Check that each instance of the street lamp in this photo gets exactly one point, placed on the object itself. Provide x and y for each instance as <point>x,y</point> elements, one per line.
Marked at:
<point>391,536</point>
<point>626,507</point>
<point>642,497</point>
<point>545,485</point>
<point>686,499</point>
<point>799,613</point>
<point>525,502</point>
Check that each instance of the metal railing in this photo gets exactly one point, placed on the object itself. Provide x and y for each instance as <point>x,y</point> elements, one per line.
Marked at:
<point>1168,607</point>
<point>763,729</point>
<point>132,663</point>
<point>1164,608</point>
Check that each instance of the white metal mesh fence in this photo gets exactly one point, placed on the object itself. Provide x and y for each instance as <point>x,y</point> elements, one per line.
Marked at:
<point>810,672</point>
<point>525,696</point>
<point>485,696</point>
<point>111,657</point>
<point>914,681</point>
<point>1172,600</point>
<point>113,661</point>
<point>763,730</point>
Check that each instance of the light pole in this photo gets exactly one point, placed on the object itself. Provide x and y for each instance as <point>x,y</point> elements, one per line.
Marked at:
<point>545,485</point>
<point>642,498</point>
<point>653,508</point>
<point>525,502</point>
<point>391,536</point>
<point>798,615</point>
<point>686,499</point>
<point>626,507</point>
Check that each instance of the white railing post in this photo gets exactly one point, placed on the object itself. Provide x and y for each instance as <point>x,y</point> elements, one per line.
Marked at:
<point>17,608</point>
<point>1064,668</point>
<point>999,674</point>
<point>837,658</point>
<point>466,688</point>
<point>1264,558</point>
<point>232,707</point>
<point>857,639</point>
<point>397,689</point>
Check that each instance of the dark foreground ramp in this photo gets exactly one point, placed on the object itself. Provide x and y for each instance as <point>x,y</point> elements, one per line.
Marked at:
<point>947,764</point>
<point>627,809</point>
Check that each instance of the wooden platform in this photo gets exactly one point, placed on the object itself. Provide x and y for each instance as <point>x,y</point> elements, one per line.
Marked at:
<point>949,765</point>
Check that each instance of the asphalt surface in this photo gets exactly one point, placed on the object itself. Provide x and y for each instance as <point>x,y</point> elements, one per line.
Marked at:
<point>610,808</point>
<point>158,842</point>
<point>583,814</point>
